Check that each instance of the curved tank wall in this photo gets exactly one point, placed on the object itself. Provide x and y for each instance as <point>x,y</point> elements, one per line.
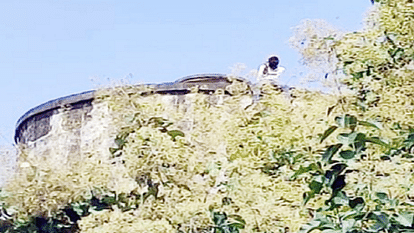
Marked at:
<point>81,124</point>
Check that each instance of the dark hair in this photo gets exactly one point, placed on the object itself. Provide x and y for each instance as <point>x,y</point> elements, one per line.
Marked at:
<point>273,62</point>
<point>274,58</point>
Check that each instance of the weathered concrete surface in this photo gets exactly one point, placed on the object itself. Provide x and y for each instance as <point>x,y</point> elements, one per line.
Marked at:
<point>36,122</point>
<point>80,124</point>
<point>8,158</point>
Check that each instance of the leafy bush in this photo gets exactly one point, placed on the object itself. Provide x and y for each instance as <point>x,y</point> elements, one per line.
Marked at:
<point>293,161</point>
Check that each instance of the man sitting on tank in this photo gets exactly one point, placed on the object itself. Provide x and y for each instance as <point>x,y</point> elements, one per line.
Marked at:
<point>270,71</point>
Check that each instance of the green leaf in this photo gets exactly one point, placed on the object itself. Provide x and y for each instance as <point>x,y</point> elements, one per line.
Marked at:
<point>328,132</point>
<point>109,200</point>
<point>233,227</point>
<point>330,152</point>
<point>80,208</point>
<point>393,203</point>
<point>350,122</point>
<point>239,221</point>
<point>120,142</point>
<point>158,121</point>
<point>405,219</point>
<point>376,125</point>
<point>332,231</point>
<point>377,141</point>
<point>219,218</point>
<point>316,184</point>
<point>381,219</point>
<point>347,154</point>
<point>409,142</point>
<point>175,133</point>
<point>238,218</point>
<point>357,203</point>
<point>314,224</point>
<point>113,150</point>
<point>382,196</point>
<point>347,121</point>
<point>310,167</point>
<point>359,142</point>
<point>340,199</point>
<point>358,75</point>
<point>347,138</point>
<point>355,140</point>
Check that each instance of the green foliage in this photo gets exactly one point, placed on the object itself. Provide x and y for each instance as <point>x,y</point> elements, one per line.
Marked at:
<point>364,166</point>
<point>344,212</point>
<point>296,161</point>
<point>198,167</point>
<point>227,224</point>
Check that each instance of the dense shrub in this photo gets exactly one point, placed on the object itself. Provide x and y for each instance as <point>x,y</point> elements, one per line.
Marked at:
<point>291,161</point>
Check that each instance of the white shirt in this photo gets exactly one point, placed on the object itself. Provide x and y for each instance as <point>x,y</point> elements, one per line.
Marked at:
<point>271,74</point>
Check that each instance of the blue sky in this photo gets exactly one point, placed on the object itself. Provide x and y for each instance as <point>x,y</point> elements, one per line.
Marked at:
<point>50,49</point>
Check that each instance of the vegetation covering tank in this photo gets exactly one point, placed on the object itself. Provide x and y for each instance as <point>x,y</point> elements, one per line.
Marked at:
<point>297,161</point>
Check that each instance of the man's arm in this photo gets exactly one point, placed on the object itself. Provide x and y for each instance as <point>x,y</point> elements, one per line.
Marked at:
<point>280,70</point>
<point>261,72</point>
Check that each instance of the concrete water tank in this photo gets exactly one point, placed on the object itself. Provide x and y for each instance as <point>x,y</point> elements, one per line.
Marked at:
<point>80,123</point>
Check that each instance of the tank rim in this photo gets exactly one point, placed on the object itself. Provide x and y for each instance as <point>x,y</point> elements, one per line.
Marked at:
<point>90,96</point>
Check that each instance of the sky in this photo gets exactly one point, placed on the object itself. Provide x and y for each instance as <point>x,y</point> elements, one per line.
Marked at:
<point>50,49</point>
